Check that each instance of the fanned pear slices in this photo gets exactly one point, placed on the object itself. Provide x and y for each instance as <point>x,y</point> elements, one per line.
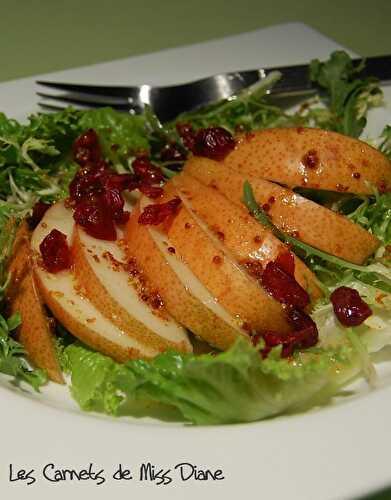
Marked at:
<point>62,294</point>
<point>311,158</point>
<point>237,231</point>
<point>35,333</point>
<point>312,223</point>
<point>101,268</point>
<point>185,296</point>
<point>239,294</point>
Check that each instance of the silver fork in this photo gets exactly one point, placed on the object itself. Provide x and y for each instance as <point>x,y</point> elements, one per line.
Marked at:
<point>167,102</point>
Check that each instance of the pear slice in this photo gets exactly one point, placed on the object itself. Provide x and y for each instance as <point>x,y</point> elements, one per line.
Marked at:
<point>35,333</point>
<point>311,158</point>
<point>100,267</point>
<point>309,222</point>
<point>62,294</point>
<point>185,296</point>
<point>237,230</point>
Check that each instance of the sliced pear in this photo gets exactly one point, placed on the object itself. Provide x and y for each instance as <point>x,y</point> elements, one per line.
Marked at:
<point>237,230</point>
<point>311,158</point>
<point>63,296</point>
<point>185,297</point>
<point>100,266</point>
<point>240,294</point>
<point>312,223</point>
<point>35,332</point>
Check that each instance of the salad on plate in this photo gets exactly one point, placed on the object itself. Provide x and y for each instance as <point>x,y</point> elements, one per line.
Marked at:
<point>228,266</point>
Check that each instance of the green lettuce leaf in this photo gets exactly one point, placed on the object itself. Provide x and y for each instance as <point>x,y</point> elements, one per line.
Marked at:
<point>234,386</point>
<point>348,97</point>
<point>36,158</point>
<point>385,141</point>
<point>12,361</point>
<point>121,135</point>
<point>374,214</point>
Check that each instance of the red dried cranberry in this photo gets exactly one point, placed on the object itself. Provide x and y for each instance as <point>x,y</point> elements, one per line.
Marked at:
<point>96,219</point>
<point>349,307</point>
<point>274,339</point>
<point>96,189</point>
<point>303,336</point>
<point>88,139</point>
<point>121,182</point>
<point>286,261</point>
<point>55,252</point>
<point>159,212</point>
<point>147,172</point>
<point>86,148</point>
<point>83,185</point>
<point>171,152</point>
<point>283,286</point>
<point>39,211</point>
<point>187,134</point>
<point>214,143</point>
<point>306,331</point>
<point>114,202</point>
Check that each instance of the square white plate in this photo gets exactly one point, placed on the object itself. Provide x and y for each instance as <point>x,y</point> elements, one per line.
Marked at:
<point>336,452</point>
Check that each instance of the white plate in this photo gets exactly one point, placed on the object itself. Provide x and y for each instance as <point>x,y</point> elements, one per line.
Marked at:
<point>336,452</point>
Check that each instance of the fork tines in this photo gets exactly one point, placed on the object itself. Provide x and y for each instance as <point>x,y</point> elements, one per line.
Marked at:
<point>84,96</point>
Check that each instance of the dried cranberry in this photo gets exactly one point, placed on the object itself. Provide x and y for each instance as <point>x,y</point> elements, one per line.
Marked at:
<point>96,219</point>
<point>55,252</point>
<point>121,182</point>
<point>96,189</point>
<point>39,211</point>
<point>171,152</point>
<point>283,286</point>
<point>274,339</point>
<point>86,148</point>
<point>148,176</point>
<point>306,331</point>
<point>349,307</point>
<point>213,142</point>
<point>84,184</point>
<point>159,212</point>
<point>286,261</point>
<point>88,139</point>
<point>187,134</point>
<point>278,279</point>
<point>303,336</point>
<point>114,202</point>
<point>147,172</point>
